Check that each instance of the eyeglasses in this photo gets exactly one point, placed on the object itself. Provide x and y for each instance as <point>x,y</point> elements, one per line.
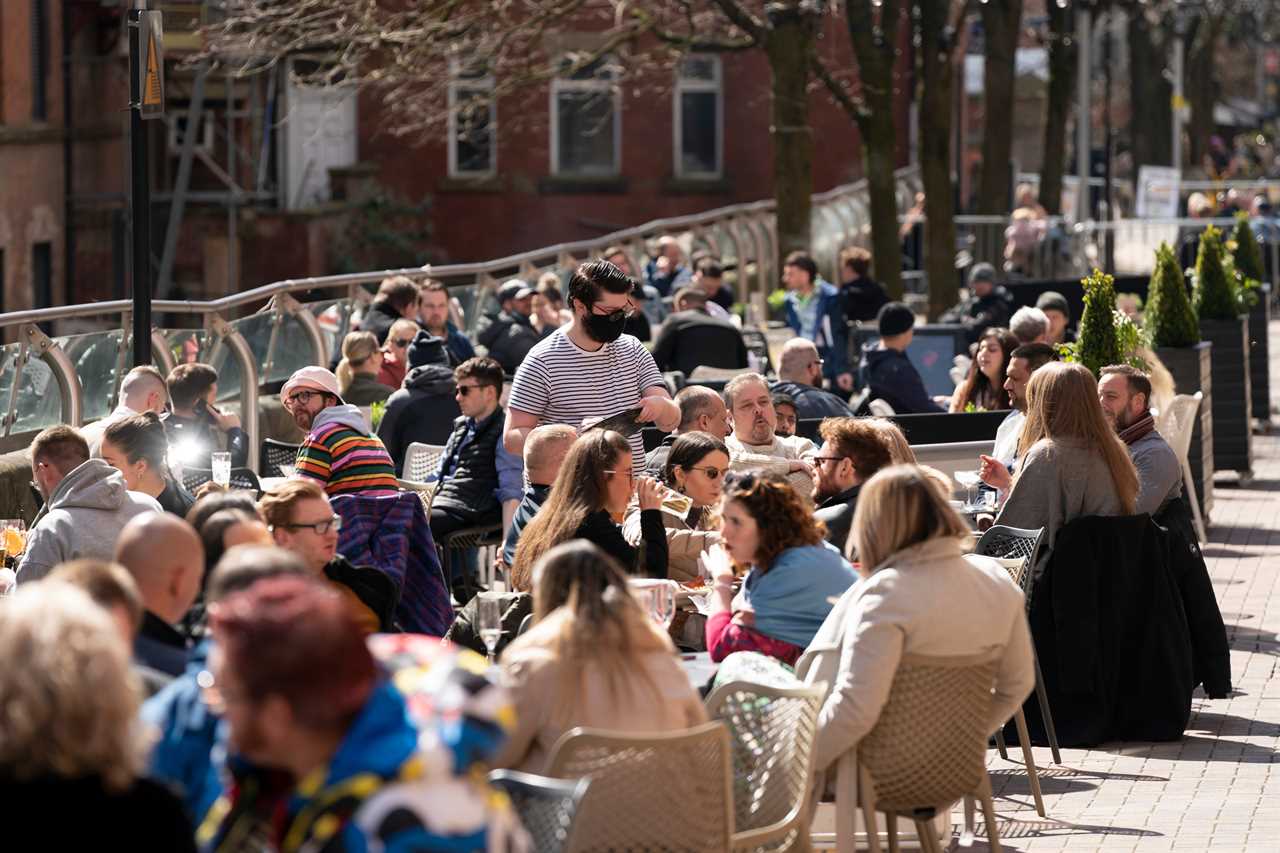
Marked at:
<point>333,523</point>
<point>615,315</point>
<point>401,342</point>
<point>629,474</point>
<point>711,471</point>
<point>302,397</point>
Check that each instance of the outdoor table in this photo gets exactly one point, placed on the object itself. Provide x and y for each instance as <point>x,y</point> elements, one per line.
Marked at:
<point>699,667</point>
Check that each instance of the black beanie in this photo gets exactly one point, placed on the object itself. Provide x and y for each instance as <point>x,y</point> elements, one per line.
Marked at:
<point>427,349</point>
<point>894,319</point>
<point>1051,300</point>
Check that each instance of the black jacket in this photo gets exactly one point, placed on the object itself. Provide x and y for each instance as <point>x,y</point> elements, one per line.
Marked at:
<point>534,497</point>
<point>81,814</point>
<point>649,559</point>
<point>655,461</point>
<point>160,646</point>
<point>468,491</point>
<point>1111,636</point>
<point>836,512</point>
<point>515,607</point>
<point>863,299</point>
<point>423,410</point>
<point>378,319</point>
<point>813,402</point>
<point>893,378</point>
<point>979,313</point>
<point>508,336</point>
<point>202,434</point>
<point>375,589</point>
<point>175,499</point>
<point>692,338</point>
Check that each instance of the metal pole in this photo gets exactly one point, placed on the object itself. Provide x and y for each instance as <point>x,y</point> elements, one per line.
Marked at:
<point>140,199</point>
<point>1110,254</point>
<point>1084,27</point>
<point>1179,58</point>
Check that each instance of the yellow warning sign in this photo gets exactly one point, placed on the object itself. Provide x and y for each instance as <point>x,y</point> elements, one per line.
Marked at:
<point>149,66</point>
<point>152,94</point>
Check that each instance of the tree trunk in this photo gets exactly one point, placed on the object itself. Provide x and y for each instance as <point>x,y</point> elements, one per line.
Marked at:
<point>874,50</point>
<point>1001,20</point>
<point>1062,80</point>
<point>937,72</point>
<point>1200,87</point>
<point>789,48</point>
<point>1150,94</point>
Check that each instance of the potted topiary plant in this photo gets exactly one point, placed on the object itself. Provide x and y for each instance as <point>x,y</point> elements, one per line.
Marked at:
<point>1097,344</point>
<point>1217,298</point>
<point>1249,264</point>
<point>1171,325</point>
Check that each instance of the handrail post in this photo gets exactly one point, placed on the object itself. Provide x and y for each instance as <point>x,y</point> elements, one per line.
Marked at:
<point>226,333</point>
<point>64,373</point>
<point>286,305</point>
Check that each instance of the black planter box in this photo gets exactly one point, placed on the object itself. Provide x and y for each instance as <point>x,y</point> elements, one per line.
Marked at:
<point>1232,410</point>
<point>1260,355</point>
<point>1192,372</point>
<point>946,428</point>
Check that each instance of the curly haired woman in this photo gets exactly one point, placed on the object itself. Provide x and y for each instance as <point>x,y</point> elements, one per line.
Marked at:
<point>794,575</point>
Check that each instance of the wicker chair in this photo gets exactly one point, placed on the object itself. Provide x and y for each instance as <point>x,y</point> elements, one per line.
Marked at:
<point>771,733</point>
<point>547,807</point>
<point>1013,542</point>
<point>649,792</point>
<point>420,461</point>
<point>277,453</point>
<point>460,540</point>
<point>1177,425</point>
<point>241,478</point>
<point>926,751</point>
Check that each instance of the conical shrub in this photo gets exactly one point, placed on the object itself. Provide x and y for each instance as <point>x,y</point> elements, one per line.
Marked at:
<point>1215,295</point>
<point>1247,253</point>
<point>1169,318</point>
<point>1097,345</point>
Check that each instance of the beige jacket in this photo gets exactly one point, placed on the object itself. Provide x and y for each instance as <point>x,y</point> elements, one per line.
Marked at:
<point>534,675</point>
<point>775,457</point>
<point>931,599</point>
<point>684,543</point>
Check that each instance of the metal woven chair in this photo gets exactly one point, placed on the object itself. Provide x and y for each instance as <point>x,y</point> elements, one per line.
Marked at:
<point>277,453</point>
<point>1011,543</point>
<point>241,478</point>
<point>926,750</point>
<point>421,460</point>
<point>460,540</point>
<point>771,733</point>
<point>880,408</point>
<point>652,792</point>
<point>547,807</point>
<point>1176,425</point>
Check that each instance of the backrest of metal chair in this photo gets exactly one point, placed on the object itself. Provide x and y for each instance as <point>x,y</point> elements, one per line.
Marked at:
<point>771,732</point>
<point>420,460</point>
<point>661,791</point>
<point>241,478</point>
<point>277,453</point>
<point>194,478</point>
<point>1009,543</point>
<point>928,747</point>
<point>473,537</point>
<point>881,409</point>
<point>1179,422</point>
<point>547,807</point>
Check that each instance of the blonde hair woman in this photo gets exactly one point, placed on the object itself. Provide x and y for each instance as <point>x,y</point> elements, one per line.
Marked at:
<point>917,597</point>
<point>592,658</point>
<point>1073,464</point>
<point>70,741</point>
<point>358,371</point>
<point>900,451</point>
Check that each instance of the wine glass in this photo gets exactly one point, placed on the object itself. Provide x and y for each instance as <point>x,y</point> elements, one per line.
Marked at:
<point>489,621</point>
<point>970,480</point>
<point>662,603</point>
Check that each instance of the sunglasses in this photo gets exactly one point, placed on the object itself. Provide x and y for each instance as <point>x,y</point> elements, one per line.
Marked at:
<point>614,316</point>
<point>464,390</point>
<point>320,527</point>
<point>711,471</point>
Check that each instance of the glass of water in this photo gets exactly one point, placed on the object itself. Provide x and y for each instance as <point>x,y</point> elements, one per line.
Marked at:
<point>221,465</point>
<point>970,480</point>
<point>489,621</point>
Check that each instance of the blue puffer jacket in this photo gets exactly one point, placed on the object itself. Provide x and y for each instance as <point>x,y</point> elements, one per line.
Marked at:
<point>831,336</point>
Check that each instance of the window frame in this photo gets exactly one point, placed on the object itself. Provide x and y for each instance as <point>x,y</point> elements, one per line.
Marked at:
<point>458,83</point>
<point>685,85</point>
<point>560,85</point>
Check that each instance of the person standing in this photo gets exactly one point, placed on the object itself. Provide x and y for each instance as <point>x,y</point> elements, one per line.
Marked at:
<point>433,315</point>
<point>397,297</point>
<point>863,296</point>
<point>589,368</point>
<point>815,311</point>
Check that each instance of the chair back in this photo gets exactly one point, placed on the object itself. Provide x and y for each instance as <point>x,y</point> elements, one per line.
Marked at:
<point>277,453</point>
<point>1178,422</point>
<point>771,733</point>
<point>547,807</point>
<point>711,373</point>
<point>1012,543</point>
<point>667,791</point>
<point>420,461</point>
<point>880,408</point>
<point>928,748</point>
<point>241,478</point>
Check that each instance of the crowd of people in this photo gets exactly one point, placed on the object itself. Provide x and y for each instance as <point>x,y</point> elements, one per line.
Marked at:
<point>284,709</point>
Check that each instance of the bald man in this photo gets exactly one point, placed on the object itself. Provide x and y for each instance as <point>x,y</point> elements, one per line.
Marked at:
<point>800,378</point>
<point>701,410</point>
<point>143,389</point>
<point>166,559</point>
<point>544,450</point>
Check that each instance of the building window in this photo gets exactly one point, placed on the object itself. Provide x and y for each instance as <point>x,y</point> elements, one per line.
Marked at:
<point>699,118</point>
<point>586,124</point>
<point>473,118</point>
<point>42,274</point>
<point>39,60</point>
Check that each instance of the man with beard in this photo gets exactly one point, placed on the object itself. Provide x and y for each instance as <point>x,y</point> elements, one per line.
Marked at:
<point>1124,393</point>
<point>589,368</point>
<point>1024,361</point>
<point>755,425</point>
<point>339,450</point>
<point>852,450</point>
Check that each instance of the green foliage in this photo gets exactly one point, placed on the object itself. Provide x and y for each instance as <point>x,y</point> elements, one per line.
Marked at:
<point>1216,295</point>
<point>1248,255</point>
<point>383,232</point>
<point>376,411</point>
<point>777,302</point>
<point>1170,320</point>
<point>1098,343</point>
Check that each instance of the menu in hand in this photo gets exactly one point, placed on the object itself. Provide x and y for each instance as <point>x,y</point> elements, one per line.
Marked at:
<point>625,422</point>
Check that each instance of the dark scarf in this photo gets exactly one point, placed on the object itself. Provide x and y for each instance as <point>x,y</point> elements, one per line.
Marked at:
<point>1138,429</point>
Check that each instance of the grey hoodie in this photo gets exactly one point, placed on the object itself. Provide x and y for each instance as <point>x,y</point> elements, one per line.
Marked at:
<point>345,414</point>
<point>82,518</point>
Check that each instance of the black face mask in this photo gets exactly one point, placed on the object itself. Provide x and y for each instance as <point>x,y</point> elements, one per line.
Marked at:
<point>605,328</point>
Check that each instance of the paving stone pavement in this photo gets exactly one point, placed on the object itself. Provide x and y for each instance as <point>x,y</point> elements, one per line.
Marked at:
<point>1218,789</point>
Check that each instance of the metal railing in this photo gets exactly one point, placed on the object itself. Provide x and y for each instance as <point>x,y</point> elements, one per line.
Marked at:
<point>256,338</point>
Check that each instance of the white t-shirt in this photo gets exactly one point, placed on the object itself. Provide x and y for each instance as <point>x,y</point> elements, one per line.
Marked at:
<point>1007,435</point>
<point>561,383</point>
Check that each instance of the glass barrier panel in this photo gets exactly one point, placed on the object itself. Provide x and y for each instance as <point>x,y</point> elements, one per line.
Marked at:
<point>39,402</point>
<point>96,356</point>
<point>256,330</point>
<point>333,316</point>
<point>293,350</point>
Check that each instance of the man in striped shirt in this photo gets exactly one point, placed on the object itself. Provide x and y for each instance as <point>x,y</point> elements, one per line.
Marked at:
<point>589,368</point>
<point>339,450</point>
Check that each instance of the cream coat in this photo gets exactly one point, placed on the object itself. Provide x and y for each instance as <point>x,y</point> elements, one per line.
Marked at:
<point>929,600</point>
<point>684,543</point>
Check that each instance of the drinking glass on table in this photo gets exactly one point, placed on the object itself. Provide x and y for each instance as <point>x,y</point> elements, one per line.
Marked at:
<point>489,621</point>
<point>970,480</point>
<point>13,541</point>
<point>221,465</point>
<point>658,597</point>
